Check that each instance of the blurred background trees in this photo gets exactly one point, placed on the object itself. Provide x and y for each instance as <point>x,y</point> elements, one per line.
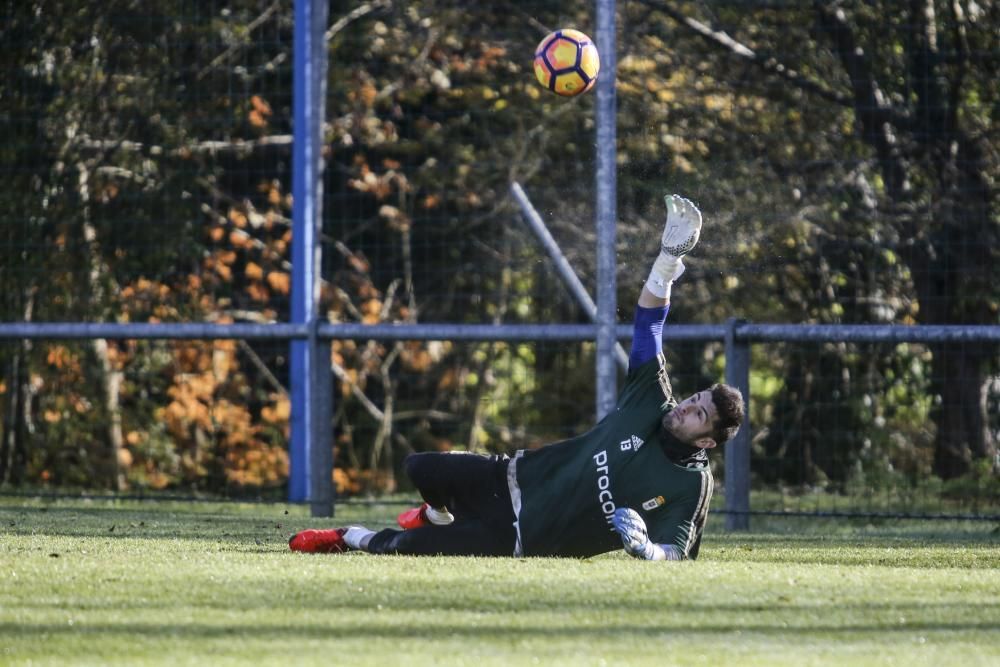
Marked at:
<point>844,154</point>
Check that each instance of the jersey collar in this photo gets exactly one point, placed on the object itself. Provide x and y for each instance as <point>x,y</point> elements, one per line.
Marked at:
<point>680,453</point>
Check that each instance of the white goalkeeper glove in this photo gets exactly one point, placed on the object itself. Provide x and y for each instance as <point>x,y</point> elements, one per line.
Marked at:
<point>680,234</point>
<point>632,530</point>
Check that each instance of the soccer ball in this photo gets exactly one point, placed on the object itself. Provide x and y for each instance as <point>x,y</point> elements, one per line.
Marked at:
<point>567,62</point>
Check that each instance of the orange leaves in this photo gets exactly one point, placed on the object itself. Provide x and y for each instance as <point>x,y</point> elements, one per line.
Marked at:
<point>371,311</point>
<point>280,246</point>
<point>367,94</point>
<point>351,481</point>
<point>416,357</point>
<point>251,245</point>
<point>202,370</point>
<point>116,356</point>
<point>237,217</point>
<point>379,186</point>
<point>345,482</point>
<point>190,413</point>
<point>279,413</point>
<point>258,293</point>
<point>204,422</point>
<point>145,289</point>
<point>260,105</point>
<point>240,239</point>
<point>249,458</point>
<point>371,183</point>
<point>257,465</point>
<point>189,408</point>
<point>62,359</point>
<point>125,458</point>
<point>220,262</point>
<point>274,193</point>
<point>280,282</point>
<point>253,271</point>
<point>236,422</point>
<point>257,119</point>
<point>259,112</point>
<point>191,357</point>
<point>150,301</point>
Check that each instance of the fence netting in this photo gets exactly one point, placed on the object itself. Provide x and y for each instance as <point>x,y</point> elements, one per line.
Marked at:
<point>147,177</point>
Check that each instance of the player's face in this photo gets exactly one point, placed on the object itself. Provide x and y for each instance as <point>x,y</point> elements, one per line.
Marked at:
<point>692,420</point>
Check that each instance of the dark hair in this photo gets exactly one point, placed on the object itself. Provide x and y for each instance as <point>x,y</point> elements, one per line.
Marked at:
<point>729,412</point>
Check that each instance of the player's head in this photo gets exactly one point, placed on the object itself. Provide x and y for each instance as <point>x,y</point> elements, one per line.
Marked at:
<point>706,419</point>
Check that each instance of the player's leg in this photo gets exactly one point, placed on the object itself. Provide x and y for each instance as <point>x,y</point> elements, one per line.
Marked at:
<point>473,537</point>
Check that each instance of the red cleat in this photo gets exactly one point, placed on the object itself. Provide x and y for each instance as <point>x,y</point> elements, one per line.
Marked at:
<point>425,515</point>
<point>413,518</point>
<point>319,541</point>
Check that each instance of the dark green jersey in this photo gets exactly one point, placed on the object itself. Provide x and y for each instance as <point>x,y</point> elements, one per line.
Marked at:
<point>565,494</point>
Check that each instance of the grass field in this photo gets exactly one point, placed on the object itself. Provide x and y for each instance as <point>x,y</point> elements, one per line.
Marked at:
<point>132,583</point>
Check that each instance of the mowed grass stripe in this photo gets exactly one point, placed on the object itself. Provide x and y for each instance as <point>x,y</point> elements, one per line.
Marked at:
<point>150,583</point>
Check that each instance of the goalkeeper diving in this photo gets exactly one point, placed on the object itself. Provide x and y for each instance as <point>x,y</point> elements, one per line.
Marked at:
<point>639,479</point>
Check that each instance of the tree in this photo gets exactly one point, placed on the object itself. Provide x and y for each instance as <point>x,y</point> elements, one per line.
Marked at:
<point>918,83</point>
<point>843,158</point>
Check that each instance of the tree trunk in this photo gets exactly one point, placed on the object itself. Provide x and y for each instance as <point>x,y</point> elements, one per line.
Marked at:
<point>12,416</point>
<point>956,281</point>
<point>18,424</point>
<point>110,383</point>
<point>109,380</point>
<point>962,435</point>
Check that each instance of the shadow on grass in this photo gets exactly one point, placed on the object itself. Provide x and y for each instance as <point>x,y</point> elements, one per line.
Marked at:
<point>346,593</point>
<point>369,629</point>
<point>155,523</point>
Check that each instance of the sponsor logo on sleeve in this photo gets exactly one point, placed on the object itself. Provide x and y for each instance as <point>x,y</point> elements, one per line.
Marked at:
<point>653,503</point>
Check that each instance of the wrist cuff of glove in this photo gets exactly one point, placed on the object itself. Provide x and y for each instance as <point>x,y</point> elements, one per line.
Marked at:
<point>666,269</point>
<point>655,551</point>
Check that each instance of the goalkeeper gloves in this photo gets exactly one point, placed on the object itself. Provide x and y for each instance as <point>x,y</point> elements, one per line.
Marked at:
<point>632,530</point>
<point>680,234</point>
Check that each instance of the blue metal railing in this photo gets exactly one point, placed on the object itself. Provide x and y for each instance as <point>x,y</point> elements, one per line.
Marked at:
<point>737,336</point>
<point>747,332</point>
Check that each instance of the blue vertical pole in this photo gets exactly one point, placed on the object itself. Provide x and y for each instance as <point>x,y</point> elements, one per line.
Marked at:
<point>311,463</point>
<point>606,209</point>
<point>737,451</point>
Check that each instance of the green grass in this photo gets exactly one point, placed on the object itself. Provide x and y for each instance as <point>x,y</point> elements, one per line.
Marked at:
<point>133,583</point>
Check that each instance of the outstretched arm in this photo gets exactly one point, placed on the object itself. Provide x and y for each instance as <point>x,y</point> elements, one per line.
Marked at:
<point>680,234</point>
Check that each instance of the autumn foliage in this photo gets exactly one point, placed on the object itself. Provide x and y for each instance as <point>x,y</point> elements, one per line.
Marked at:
<point>147,177</point>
